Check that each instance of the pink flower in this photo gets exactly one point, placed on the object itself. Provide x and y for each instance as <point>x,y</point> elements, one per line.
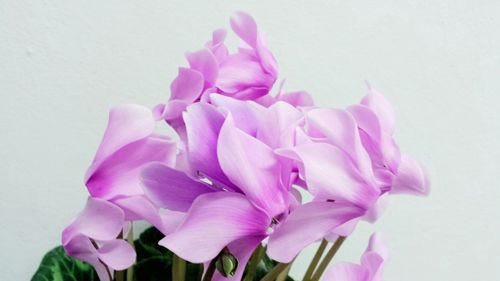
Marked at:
<point>93,237</point>
<point>370,268</point>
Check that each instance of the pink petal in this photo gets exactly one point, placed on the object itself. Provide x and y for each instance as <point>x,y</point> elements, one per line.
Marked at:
<point>99,220</point>
<point>345,271</point>
<point>299,98</point>
<point>253,167</point>
<point>205,62</point>
<point>241,71</point>
<point>382,108</point>
<point>411,178</point>
<point>245,27</point>
<point>119,174</point>
<point>341,130</point>
<point>127,123</point>
<point>140,208</point>
<point>203,123</point>
<point>117,254</point>
<point>213,222</point>
<point>374,257</point>
<point>171,189</point>
<point>330,174</point>
<point>187,86</point>
<point>281,132</point>
<point>306,224</point>
<point>247,115</point>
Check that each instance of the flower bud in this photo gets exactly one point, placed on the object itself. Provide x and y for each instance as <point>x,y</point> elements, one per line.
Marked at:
<point>226,264</point>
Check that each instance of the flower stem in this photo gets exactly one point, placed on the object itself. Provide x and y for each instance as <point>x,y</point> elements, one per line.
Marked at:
<point>273,274</point>
<point>210,271</point>
<point>254,262</point>
<point>178,268</point>
<point>284,274</point>
<point>130,239</point>
<point>315,260</point>
<point>328,258</point>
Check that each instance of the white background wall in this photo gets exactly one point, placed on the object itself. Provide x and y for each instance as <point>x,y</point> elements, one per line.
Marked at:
<point>63,64</point>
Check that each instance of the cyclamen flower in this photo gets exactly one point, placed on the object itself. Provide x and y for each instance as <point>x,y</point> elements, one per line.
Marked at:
<point>93,237</point>
<point>129,143</point>
<point>248,74</point>
<point>370,269</point>
<point>240,189</point>
<point>349,157</point>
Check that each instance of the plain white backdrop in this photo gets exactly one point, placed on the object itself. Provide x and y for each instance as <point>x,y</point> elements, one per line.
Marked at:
<point>63,64</point>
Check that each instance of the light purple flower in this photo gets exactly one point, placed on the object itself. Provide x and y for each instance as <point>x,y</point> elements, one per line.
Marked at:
<point>237,190</point>
<point>93,237</point>
<point>371,266</point>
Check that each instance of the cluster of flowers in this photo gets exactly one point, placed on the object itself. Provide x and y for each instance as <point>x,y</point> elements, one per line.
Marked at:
<point>234,179</point>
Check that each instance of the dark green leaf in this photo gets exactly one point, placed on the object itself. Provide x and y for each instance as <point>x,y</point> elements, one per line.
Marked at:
<point>57,266</point>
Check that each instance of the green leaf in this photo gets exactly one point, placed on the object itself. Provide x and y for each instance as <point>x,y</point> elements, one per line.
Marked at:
<point>57,266</point>
<point>154,263</point>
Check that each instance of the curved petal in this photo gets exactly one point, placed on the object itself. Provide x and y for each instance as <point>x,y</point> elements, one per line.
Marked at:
<point>81,248</point>
<point>330,174</point>
<point>171,189</point>
<point>306,224</point>
<point>203,124</point>
<point>127,123</point>
<point>187,86</point>
<point>119,174</point>
<point>245,27</point>
<point>205,62</point>
<point>411,178</point>
<point>213,222</point>
<point>140,208</point>
<point>280,132</point>
<point>298,98</point>
<point>341,130</point>
<point>247,115</point>
<point>253,167</point>
<point>117,254</point>
<point>345,271</point>
<point>241,71</point>
<point>374,257</point>
<point>382,108</point>
<point>99,220</point>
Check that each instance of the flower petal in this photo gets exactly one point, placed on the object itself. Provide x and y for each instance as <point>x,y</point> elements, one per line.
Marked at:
<point>306,224</point>
<point>213,222</point>
<point>205,62</point>
<point>382,108</point>
<point>119,174</point>
<point>171,189</point>
<point>117,254</point>
<point>411,178</point>
<point>187,86</point>
<point>341,130</point>
<point>330,174</point>
<point>281,132</point>
<point>99,220</point>
<point>241,71</point>
<point>140,208</point>
<point>345,271</point>
<point>203,124</point>
<point>253,167</point>
<point>247,115</point>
